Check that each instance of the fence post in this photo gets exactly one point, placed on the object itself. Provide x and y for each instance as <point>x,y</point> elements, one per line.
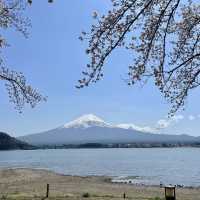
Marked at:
<point>124,195</point>
<point>47,193</point>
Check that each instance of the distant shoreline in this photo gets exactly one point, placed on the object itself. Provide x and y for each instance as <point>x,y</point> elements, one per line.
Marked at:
<point>86,146</point>
<point>125,145</point>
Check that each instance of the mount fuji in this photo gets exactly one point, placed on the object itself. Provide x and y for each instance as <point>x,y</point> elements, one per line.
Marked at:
<point>87,121</point>
<point>92,129</point>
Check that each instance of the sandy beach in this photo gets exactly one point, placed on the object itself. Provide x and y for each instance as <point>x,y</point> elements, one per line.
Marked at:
<point>31,184</point>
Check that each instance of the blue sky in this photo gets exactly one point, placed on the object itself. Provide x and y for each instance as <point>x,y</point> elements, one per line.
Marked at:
<point>52,59</point>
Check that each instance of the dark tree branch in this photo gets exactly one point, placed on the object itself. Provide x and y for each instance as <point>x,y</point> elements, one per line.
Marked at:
<point>163,36</point>
<point>18,91</point>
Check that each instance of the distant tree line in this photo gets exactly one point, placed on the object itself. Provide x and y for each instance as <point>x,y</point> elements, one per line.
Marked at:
<point>131,145</point>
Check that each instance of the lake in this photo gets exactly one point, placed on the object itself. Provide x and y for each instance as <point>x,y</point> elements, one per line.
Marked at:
<point>140,165</point>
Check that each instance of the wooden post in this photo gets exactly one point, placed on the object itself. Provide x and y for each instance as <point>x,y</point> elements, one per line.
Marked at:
<point>124,195</point>
<point>47,193</point>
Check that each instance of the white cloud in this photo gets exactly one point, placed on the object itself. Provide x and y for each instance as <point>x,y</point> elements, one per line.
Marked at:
<point>191,117</point>
<point>165,123</point>
<point>177,118</point>
<point>162,123</point>
<point>138,128</point>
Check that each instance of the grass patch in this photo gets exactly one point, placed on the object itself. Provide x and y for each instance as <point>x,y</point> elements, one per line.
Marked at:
<point>3,197</point>
<point>156,198</point>
<point>86,195</point>
<point>104,196</point>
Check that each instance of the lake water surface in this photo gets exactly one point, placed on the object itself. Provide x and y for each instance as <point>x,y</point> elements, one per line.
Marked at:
<point>148,166</point>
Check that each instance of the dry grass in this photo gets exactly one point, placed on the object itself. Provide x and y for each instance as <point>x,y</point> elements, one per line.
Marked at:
<point>28,184</point>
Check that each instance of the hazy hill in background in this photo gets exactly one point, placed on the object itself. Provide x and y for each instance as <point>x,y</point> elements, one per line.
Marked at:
<point>9,143</point>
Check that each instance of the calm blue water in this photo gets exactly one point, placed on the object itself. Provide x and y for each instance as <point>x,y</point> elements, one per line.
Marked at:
<point>151,166</point>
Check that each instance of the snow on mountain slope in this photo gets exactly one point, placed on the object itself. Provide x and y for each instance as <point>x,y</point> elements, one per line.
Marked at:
<point>146,129</point>
<point>87,121</point>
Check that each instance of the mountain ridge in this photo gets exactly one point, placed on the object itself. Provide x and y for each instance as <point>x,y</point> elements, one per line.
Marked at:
<point>92,129</point>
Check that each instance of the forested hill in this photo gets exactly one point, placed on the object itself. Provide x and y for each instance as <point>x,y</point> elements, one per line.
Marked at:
<point>10,143</point>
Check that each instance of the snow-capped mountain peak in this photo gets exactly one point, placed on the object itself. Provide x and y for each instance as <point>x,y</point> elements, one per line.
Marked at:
<point>86,121</point>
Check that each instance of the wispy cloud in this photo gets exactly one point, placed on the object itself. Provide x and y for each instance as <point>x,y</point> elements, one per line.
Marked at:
<point>160,124</point>
<point>165,123</point>
<point>177,118</point>
<point>191,117</point>
<point>138,128</point>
